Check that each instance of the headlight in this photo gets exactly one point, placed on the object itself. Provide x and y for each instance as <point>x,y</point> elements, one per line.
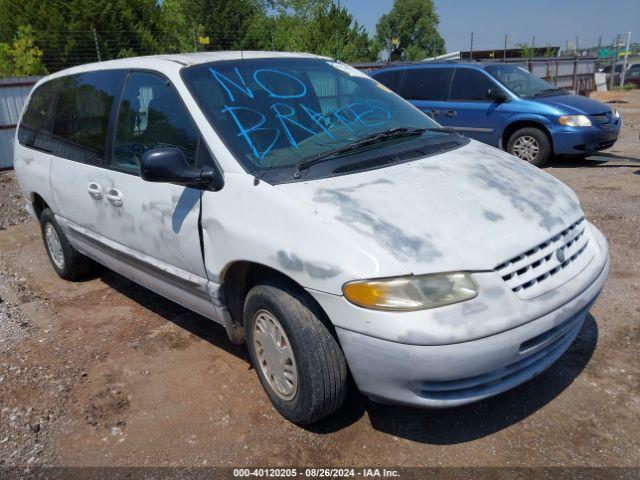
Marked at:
<point>616,114</point>
<point>575,121</point>
<point>411,292</point>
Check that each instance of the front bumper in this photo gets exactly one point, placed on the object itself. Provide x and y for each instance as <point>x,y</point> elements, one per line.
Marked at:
<point>580,141</point>
<point>450,375</point>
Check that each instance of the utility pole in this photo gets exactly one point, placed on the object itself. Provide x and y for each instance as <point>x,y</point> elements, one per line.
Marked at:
<point>195,39</point>
<point>626,54</point>
<point>614,51</point>
<point>533,46</point>
<point>504,52</point>
<point>95,42</point>
<point>471,49</point>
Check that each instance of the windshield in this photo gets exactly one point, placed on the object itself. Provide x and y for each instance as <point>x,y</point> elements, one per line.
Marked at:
<point>274,113</point>
<point>520,81</point>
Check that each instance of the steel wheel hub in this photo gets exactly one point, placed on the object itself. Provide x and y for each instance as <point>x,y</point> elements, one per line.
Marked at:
<point>526,148</point>
<point>274,354</point>
<point>54,246</point>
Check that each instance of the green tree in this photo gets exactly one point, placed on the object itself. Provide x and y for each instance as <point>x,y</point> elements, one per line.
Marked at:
<point>410,31</point>
<point>64,29</point>
<point>21,57</point>
<point>175,30</point>
<point>320,27</point>
<point>226,22</point>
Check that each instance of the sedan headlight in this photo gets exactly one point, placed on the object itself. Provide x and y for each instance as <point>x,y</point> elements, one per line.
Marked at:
<point>616,115</point>
<point>411,292</point>
<point>575,121</point>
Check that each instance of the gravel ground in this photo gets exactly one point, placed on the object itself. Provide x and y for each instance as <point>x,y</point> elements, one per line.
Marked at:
<point>12,211</point>
<point>103,372</point>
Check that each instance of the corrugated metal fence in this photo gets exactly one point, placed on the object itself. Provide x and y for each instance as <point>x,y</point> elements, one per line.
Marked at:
<point>13,95</point>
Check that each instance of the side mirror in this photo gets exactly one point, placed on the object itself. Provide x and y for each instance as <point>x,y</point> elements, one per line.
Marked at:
<point>168,165</point>
<point>496,94</point>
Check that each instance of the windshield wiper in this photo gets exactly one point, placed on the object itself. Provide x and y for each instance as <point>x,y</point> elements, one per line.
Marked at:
<point>399,132</point>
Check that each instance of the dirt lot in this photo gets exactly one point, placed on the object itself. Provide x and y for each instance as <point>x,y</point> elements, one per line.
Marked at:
<point>104,372</point>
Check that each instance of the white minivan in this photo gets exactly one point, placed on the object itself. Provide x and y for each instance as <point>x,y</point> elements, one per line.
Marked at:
<point>316,214</point>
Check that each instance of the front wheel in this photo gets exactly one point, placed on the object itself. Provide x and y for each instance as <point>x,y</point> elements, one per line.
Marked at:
<point>530,144</point>
<point>291,346</point>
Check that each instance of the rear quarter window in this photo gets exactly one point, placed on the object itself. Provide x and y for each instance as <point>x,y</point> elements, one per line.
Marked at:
<point>35,127</point>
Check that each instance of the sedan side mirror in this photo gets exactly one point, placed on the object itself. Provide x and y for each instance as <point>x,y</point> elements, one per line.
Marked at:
<point>496,94</point>
<point>169,165</point>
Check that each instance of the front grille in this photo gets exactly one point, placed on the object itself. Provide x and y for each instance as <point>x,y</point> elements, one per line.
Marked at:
<point>542,262</point>
<point>604,120</point>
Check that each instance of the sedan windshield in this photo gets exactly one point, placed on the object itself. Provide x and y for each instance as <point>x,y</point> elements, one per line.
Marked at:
<point>276,113</point>
<point>521,82</point>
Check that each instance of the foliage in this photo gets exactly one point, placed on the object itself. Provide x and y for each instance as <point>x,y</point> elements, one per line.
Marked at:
<point>70,32</point>
<point>527,50</point>
<point>225,22</point>
<point>64,30</point>
<point>21,57</point>
<point>410,31</point>
<point>317,26</point>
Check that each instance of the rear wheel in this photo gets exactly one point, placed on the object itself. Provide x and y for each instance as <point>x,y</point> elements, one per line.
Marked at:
<point>531,145</point>
<point>298,360</point>
<point>66,260</point>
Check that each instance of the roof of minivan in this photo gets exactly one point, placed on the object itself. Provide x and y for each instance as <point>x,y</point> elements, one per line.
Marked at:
<point>185,59</point>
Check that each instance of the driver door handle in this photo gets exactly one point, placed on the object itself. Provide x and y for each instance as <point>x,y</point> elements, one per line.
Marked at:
<point>114,196</point>
<point>451,113</point>
<point>95,190</point>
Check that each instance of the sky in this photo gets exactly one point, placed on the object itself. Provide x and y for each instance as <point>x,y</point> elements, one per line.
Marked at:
<point>553,22</point>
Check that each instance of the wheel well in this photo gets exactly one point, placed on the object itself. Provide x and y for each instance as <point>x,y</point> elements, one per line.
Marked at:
<point>239,277</point>
<point>511,128</point>
<point>38,204</point>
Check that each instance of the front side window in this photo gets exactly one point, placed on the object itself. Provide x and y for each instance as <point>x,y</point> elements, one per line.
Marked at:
<point>470,85</point>
<point>82,114</point>
<point>35,127</point>
<point>520,81</point>
<point>426,84</point>
<point>151,115</point>
<point>273,113</point>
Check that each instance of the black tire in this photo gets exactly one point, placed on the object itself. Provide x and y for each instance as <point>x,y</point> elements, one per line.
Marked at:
<point>321,366</point>
<point>540,139</point>
<point>74,265</point>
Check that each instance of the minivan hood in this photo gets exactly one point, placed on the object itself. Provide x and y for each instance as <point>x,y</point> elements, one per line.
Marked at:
<point>468,209</point>
<point>573,104</point>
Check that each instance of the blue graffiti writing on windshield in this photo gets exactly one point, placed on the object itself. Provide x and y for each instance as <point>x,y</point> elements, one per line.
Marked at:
<point>264,123</point>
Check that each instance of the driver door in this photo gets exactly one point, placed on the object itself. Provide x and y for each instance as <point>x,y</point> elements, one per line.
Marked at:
<point>153,227</point>
<point>469,110</point>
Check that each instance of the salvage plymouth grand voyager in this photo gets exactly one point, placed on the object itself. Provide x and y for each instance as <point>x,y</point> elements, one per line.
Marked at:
<point>316,214</point>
